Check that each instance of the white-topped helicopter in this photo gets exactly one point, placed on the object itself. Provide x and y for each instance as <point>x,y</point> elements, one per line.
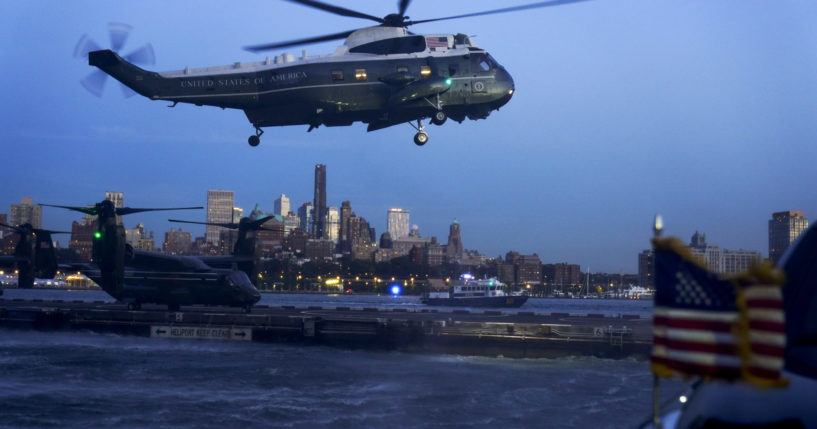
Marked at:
<point>382,76</point>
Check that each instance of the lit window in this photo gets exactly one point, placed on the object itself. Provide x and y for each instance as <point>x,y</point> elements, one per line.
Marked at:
<point>402,69</point>
<point>360,74</point>
<point>337,74</point>
<point>425,71</point>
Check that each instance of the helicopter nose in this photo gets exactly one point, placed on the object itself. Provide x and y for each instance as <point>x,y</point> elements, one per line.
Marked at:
<point>505,83</point>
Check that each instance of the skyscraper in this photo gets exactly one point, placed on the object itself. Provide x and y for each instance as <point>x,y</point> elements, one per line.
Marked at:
<point>305,213</point>
<point>26,212</point>
<point>397,221</point>
<point>319,203</point>
<point>219,210</point>
<point>784,228</point>
<point>282,205</point>
<point>332,224</point>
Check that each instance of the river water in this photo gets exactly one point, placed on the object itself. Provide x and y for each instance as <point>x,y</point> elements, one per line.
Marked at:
<point>75,379</point>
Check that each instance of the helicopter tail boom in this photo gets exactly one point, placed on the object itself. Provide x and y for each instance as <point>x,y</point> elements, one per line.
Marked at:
<point>142,81</point>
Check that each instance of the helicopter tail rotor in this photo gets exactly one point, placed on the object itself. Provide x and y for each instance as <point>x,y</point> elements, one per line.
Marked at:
<point>118,33</point>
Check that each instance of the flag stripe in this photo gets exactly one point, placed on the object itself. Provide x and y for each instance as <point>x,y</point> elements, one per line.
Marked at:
<point>772,304</point>
<point>693,346</point>
<point>693,324</point>
<point>765,325</point>
<point>693,335</point>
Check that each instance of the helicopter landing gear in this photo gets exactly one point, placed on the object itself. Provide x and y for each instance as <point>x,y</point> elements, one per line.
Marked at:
<point>255,139</point>
<point>421,137</point>
<point>439,118</point>
<point>134,306</point>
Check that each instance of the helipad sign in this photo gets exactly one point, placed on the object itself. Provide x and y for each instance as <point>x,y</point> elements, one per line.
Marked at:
<point>201,333</point>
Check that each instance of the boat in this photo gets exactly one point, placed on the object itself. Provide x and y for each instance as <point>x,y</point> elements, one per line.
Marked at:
<point>470,292</point>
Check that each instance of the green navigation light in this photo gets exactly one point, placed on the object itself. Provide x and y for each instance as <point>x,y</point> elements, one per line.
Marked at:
<point>97,235</point>
<point>448,81</point>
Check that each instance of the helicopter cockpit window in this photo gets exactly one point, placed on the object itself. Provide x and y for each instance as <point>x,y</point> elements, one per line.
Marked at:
<point>480,62</point>
<point>395,45</point>
<point>337,74</point>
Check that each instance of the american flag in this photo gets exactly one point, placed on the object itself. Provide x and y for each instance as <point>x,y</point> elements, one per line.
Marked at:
<point>705,325</point>
<point>694,320</point>
<point>436,42</point>
<point>763,329</point>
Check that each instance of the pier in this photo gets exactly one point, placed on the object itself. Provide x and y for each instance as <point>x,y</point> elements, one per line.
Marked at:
<point>507,333</point>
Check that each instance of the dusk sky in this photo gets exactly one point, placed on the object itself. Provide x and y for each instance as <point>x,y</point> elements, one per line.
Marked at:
<point>702,110</point>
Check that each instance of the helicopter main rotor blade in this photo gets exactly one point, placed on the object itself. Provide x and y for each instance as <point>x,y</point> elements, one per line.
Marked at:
<point>122,211</point>
<point>502,10</point>
<point>86,210</point>
<point>336,36</point>
<point>230,225</point>
<point>85,45</point>
<point>402,6</point>
<point>256,224</point>
<point>337,10</point>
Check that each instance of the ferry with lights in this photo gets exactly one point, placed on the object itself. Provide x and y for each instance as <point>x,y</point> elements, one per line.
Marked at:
<point>470,292</point>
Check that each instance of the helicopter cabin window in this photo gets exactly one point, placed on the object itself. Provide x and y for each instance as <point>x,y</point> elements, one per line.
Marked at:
<point>402,69</point>
<point>394,45</point>
<point>425,71</point>
<point>337,74</point>
<point>360,74</point>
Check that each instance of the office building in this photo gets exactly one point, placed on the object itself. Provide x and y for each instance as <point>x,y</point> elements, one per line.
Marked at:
<point>319,201</point>
<point>397,221</point>
<point>722,260</point>
<point>282,205</point>
<point>784,228</point>
<point>219,210</point>
<point>177,242</point>
<point>26,212</point>
<point>454,249</point>
<point>118,200</point>
<point>305,213</point>
<point>332,225</point>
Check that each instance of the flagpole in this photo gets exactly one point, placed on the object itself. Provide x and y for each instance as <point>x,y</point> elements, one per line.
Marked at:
<point>658,226</point>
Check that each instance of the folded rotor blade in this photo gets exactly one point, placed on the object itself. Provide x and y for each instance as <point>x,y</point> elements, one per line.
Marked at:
<point>337,10</point>
<point>119,33</point>
<point>121,211</point>
<point>143,55</point>
<point>502,10</point>
<point>95,82</point>
<point>336,36</point>
<point>86,210</point>
<point>223,225</point>
<point>85,45</point>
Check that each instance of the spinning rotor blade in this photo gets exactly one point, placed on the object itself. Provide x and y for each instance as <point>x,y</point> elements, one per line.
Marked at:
<point>119,33</point>
<point>502,10</point>
<point>122,211</point>
<point>95,82</point>
<point>337,10</point>
<point>143,55</point>
<point>85,45</point>
<point>336,36</point>
<point>230,225</point>
<point>256,224</point>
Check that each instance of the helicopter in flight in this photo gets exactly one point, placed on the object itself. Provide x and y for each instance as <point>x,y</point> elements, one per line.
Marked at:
<point>382,76</point>
<point>136,276</point>
<point>34,255</point>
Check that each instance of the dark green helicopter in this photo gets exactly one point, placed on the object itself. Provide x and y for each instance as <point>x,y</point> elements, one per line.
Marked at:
<point>382,76</point>
<point>34,255</point>
<point>136,276</point>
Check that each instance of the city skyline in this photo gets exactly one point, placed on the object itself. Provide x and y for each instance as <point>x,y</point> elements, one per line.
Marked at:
<point>700,111</point>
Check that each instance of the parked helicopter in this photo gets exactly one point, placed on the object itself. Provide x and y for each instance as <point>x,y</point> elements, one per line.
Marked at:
<point>382,76</point>
<point>247,249</point>
<point>136,276</point>
<point>34,255</point>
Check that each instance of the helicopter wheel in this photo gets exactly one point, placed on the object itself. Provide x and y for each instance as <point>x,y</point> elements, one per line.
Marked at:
<point>420,138</point>
<point>253,141</point>
<point>439,118</point>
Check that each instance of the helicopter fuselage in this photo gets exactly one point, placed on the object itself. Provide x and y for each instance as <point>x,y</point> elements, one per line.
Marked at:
<point>379,81</point>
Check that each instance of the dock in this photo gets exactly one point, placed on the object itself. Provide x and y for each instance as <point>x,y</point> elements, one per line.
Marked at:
<point>493,333</point>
